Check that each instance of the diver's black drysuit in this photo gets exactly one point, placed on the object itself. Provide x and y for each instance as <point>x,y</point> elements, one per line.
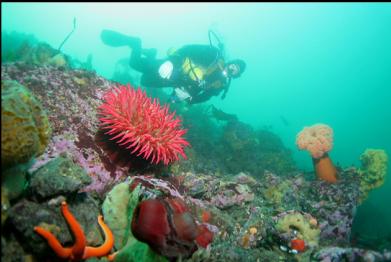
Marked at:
<point>205,56</point>
<point>208,59</point>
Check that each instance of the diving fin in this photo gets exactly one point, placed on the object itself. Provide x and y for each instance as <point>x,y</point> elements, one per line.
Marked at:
<point>115,39</point>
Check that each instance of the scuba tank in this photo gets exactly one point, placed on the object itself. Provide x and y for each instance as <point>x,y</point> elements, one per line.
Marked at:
<point>195,72</point>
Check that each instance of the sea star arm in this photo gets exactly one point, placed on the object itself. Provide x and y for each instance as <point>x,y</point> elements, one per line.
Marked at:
<point>105,248</point>
<point>62,252</point>
<point>79,250</point>
<point>80,239</point>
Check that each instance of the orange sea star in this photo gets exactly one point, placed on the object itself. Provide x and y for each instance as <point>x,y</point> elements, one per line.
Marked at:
<point>79,250</point>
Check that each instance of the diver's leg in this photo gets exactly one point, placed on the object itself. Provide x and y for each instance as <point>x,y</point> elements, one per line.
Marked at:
<point>137,61</point>
<point>142,59</point>
<point>150,53</point>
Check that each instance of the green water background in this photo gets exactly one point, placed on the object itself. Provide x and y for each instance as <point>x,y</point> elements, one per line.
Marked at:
<point>306,63</point>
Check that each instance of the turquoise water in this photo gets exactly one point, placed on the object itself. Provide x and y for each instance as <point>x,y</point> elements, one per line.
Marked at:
<point>306,63</point>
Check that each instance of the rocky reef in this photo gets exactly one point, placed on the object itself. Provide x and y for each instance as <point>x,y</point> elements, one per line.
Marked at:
<point>238,184</point>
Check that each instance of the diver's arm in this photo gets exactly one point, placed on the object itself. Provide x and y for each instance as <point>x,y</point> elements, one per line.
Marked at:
<point>203,96</point>
<point>226,88</point>
<point>209,91</point>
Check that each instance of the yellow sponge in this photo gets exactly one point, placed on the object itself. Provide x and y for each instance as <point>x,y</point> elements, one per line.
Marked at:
<point>25,129</point>
<point>373,170</point>
<point>302,223</point>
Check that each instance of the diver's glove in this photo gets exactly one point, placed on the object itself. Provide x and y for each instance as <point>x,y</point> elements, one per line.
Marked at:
<point>179,95</point>
<point>165,70</point>
<point>202,84</point>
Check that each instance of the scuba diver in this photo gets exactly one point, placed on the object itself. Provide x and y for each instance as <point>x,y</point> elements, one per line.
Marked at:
<point>196,72</point>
